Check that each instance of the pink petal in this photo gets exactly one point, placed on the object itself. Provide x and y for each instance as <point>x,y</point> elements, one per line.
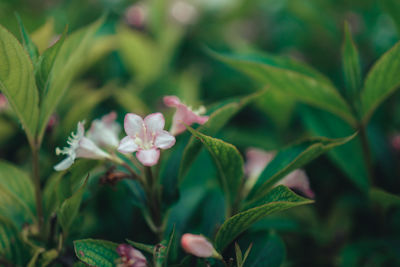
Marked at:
<point>164,140</point>
<point>197,245</point>
<point>148,157</point>
<point>127,145</point>
<point>110,117</point>
<point>154,122</point>
<point>171,101</point>
<point>298,179</point>
<point>201,119</point>
<point>133,124</point>
<point>256,161</point>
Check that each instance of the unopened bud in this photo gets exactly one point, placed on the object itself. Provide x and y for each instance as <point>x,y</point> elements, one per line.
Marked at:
<point>198,246</point>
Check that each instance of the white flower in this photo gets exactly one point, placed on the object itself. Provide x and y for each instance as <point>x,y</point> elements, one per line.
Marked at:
<point>105,132</point>
<point>79,147</point>
<point>146,137</point>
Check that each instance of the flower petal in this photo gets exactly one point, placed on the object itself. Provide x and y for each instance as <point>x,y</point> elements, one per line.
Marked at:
<point>164,140</point>
<point>133,124</point>
<point>154,122</point>
<point>298,179</point>
<point>88,149</point>
<point>171,101</point>
<point>65,164</point>
<point>127,145</point>
<point>197,245</point>
<point>148,157</point>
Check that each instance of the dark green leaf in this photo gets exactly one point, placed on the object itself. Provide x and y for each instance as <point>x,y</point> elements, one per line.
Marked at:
<point>142,247</point>
<point>280,198</point>
<point>382,80</point>
<point>17,82</point>
<point>383,198</point>
<point>392,7</point>
<point>229,163</point>
<point>11,246</point>
<point>96,252</point>
<point>215,123</point>
<point>29,46</point>
<point>293,158</point>
<point>351,65</point>
<point>296,81</point>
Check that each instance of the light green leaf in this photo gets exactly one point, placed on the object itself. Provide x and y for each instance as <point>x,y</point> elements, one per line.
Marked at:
<point>70,62</point>
<point>293,79</point>
<point>382,80</point>
<point>383,198</point>
<point>70,208</point>
<point>293,158</point>
<point>229,163</point>
<point>217,120</point>
<point>278,199</point>
<point>17,82</point>
<point>45,63</point>
<point>351,65</point>
<point>43,35</point>
<point>96,252</point>
<point>17,200</point>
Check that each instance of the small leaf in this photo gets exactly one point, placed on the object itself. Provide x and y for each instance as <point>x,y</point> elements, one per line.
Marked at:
<point>297,81</point>
<point>351,65</point>
<point>17,82</point>
<point>17,200</point>
<point>96,252</point>
<point>382,80</point>
<point>239,256</point>
<point>44,66</point>
<point>383,198</point>
<point>280,198</point>
<point>291,158</point>
<point>142,247</point>
<point>229,163</point>
<point>29,46</point>
<point>43,35</point>
<point>215,123</point>
<point>70,208</point>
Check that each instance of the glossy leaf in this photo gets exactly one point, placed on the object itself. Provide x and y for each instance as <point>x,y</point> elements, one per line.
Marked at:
<point>293,158</point>
<point>228,161</point>
<point>279,198</point>
<point>382,80</point>
<point>351,65</point>
<point>215,123</point>
<point>17,200</point>
<point>17,82</point>
<point>96,252</point>
<point>67,66</point>
<point>297,81</point>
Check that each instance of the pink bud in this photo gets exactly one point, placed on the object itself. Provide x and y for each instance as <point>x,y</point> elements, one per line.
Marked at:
<point>395,141</point>
<point>197,245</point>
<point>130,257</point>
<point>3,102</point>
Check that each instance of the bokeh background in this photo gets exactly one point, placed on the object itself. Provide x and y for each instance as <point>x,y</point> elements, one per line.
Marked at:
<point>148,49</point>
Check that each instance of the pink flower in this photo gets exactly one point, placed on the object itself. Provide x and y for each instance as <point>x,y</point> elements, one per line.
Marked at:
<point>3,102</point>
<point>105,132</point>
<point>257,160</point>
<point>79,147</point>
<point>184,115</point>
<point>130,257</point>
<point>146,137</point>
<point>197,245</point>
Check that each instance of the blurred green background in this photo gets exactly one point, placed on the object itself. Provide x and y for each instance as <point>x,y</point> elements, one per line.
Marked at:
<point>148,49</point>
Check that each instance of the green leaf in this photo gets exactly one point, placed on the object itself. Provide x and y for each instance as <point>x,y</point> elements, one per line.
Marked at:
<point>17,82</point>
<point>297,81</point>
<point>17,200</point>
<point>29,46</point>
<point>143,247</point>
<point>43,35</point>
<point>70,62</point>
<point>44,66</point>
<point>293,158</point>
<point>215,123</point>
<point>383,198</point>
<point>70,208</point>
<point>96,252</point>
<point>229,163</point>
<point>392,7</point>
<point>382,80</point>
<point>51,194</point>
<point>11,246</point>
<point>348,157</point>
<point>278,199</point>
<point>351,65</point>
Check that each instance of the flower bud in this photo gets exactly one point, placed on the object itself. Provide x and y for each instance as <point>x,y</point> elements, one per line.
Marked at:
<point>130,257</point>
<point>198,246</point>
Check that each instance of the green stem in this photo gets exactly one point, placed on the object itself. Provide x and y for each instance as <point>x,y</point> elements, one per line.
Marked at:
<point>367,152</point>
<point>154,203</point>
<point>36,182</point>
